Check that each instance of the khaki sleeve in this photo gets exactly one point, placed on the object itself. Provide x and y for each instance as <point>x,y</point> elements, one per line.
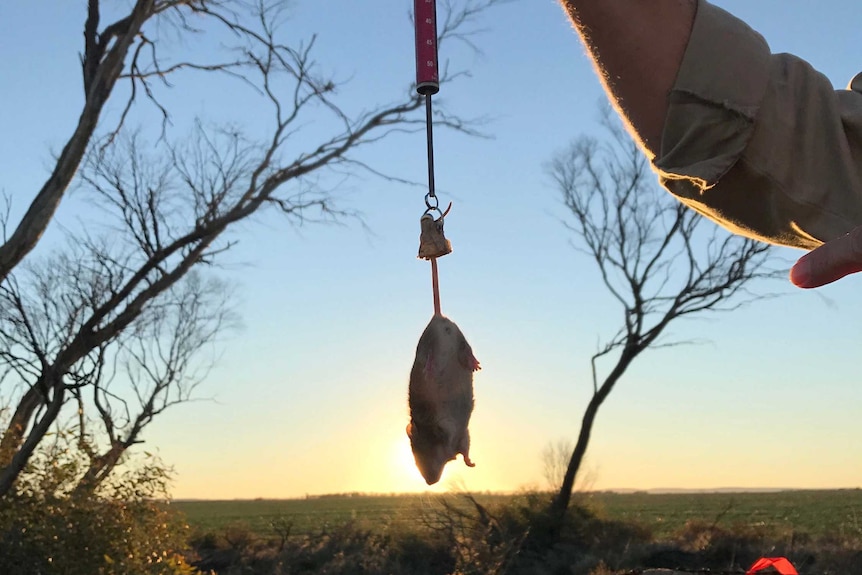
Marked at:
<point>759,142</point>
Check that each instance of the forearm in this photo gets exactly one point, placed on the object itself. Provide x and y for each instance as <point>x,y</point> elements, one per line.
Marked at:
<point>637,47</point>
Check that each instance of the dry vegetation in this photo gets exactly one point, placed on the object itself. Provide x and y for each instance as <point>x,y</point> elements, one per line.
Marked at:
<point>128,528</point>
<point>602,534</point>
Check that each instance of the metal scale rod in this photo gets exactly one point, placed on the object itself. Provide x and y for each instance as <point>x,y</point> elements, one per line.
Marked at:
<point>427,75</point>
<point>427,84</point>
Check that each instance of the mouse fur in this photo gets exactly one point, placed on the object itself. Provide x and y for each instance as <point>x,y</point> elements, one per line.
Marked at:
<point>441,398</point>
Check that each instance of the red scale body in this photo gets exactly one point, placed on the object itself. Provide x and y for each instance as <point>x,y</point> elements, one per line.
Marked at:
<point>427,75</point>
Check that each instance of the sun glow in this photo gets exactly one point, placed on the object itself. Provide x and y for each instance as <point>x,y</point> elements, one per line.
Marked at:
<point>395,471</point>
<point>404,469</point>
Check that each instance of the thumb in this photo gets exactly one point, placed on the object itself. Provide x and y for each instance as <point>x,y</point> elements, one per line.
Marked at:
<point>830,262</point>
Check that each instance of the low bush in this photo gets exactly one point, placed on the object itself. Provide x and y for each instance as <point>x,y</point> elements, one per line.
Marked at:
<point>125,527</point>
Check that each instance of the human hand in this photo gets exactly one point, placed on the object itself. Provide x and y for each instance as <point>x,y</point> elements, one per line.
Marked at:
<point>830,262</point>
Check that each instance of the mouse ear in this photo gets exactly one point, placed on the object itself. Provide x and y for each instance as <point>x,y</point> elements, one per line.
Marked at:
<point>466,357</point>
<point>410,430</point>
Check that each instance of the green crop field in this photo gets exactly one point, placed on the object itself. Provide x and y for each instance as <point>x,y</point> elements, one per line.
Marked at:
<point>816,513</point>
<point>307,515</point>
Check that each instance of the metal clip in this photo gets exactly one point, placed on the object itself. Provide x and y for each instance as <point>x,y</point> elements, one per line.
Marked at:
<point>432,242</point>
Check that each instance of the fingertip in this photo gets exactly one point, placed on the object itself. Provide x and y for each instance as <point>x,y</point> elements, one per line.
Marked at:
<point>830,262</point>
<point>800,273</point>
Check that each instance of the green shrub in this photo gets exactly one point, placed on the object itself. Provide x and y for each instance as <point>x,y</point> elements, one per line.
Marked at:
<point>88,535</point>
<point>125,528</point>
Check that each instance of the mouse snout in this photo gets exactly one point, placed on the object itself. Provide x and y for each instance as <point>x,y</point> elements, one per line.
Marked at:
<point>430,470</point>
<point>431,463</point>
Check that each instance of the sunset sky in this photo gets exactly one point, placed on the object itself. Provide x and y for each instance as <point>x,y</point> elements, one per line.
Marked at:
<point>310,393</point>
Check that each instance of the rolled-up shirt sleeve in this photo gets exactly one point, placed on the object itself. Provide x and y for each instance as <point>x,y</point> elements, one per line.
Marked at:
<point>759,142</point>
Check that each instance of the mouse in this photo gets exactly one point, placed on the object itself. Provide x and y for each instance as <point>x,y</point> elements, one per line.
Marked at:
<point>440,398</point>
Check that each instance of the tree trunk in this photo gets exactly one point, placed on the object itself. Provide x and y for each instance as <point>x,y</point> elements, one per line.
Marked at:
<point>100,468</point>
<point>561,502</point>
<point>14,433</point>
<point>564,495</point>
<point>9,472</point>
<point>103,75</point>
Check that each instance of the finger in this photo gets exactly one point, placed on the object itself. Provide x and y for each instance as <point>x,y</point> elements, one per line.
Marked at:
<point>830,262</point>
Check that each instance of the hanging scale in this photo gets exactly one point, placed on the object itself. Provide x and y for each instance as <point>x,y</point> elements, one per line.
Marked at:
<point>432,242</point>
<point>440,394</point>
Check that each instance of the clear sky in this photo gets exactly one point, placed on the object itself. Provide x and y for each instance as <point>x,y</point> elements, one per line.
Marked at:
<point>309,396</point>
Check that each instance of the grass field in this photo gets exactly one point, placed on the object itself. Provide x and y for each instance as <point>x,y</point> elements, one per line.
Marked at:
<point>816,513</point>
<point>307,515</point>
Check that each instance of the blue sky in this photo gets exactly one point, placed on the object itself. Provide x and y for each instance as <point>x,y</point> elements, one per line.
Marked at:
<point>309,396</point>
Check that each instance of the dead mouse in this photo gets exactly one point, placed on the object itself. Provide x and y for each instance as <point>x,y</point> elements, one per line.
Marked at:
<point>441,398</point>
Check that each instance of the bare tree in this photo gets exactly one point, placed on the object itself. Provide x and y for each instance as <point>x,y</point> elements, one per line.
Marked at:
<point>555,460</point>
<point>120,386</point>
<point>660,260</point>
<point>70,322</point>
<point>156,364</point>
